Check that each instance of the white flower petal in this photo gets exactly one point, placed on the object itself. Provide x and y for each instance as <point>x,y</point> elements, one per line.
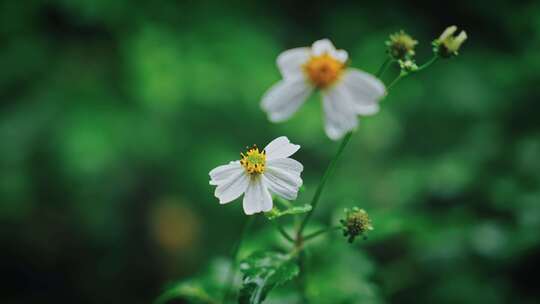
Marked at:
<point>286,164</point>
<point>280,147</point>
<point>367,109</point>
<point>340,55</point>
<point>364,88</point>
<point>290,62</point>
<point>230,189</point>
<point>280,188</point>
<point>322,46</point>
<point>339,113</point>
<point>257,198</point>
<point>221,173</point>
<point>346,92</point>
<point>283,99</point>
<point>283,177</point>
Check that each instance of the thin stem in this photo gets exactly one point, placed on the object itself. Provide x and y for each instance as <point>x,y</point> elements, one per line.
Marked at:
<point>321,232</point>
<point>322,183</point>
<point>396,80</point>
<point>384,67</point>
<point>234,258</point>
<point>428,63</point>
<point>404,74</point>
<point>283,232</point>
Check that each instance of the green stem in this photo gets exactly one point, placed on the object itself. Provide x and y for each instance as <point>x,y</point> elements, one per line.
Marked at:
<point>384,67</point>
<point>428,63</point>
<point>404,74</point>
<point>322,183</point>
<point>234,258</point>
<point>320,232</point>
<point>396,80</point>
<point>283,232</point>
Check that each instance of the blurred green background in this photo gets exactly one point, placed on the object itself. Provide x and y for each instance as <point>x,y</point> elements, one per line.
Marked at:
<point>113,112</point>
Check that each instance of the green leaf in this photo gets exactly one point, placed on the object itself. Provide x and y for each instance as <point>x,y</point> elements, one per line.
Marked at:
<point>262,271</point>
<point>191,292</point>
<point>276,213</point>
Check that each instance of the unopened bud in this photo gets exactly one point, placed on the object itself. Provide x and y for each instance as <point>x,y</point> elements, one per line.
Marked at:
<point>401,46</point>
<point>356,222</point>
<point>408,65</point>
<point>447,45</point>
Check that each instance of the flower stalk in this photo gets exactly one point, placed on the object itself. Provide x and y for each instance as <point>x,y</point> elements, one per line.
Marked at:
<point>283,233</point>
<point>404,72</point>
<point>386,64</point>
<point>321,232</point>
<point>323,181</point>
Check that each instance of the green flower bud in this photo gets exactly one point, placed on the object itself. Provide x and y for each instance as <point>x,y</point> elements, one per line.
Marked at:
<point>408,65</point>
<point>401,46</point>
<point>356,222</point>
<point>447,45</point>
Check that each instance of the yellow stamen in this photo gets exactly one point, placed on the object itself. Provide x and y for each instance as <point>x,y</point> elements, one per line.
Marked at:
<point>323,70</point>
<point>253,160</point>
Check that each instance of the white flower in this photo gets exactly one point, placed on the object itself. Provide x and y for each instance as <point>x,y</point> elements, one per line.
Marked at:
<point>258,175</point>
<point>347,92</point>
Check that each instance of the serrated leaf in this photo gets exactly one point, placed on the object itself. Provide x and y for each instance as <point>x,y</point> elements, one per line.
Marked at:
<point>276,213</point>
<point>263,271</point>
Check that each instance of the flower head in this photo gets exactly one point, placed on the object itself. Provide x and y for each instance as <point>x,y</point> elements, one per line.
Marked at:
<point>258,174</point>
<point>401,46</point>
<point>448,44</point>
<point>323,70</point>
<point>254,160</point>
<point>356,222</point>
<point>347,92</point>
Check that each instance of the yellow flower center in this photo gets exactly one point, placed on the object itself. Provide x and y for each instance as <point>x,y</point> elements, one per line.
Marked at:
<point>253,160</point>
<point>323,70</point>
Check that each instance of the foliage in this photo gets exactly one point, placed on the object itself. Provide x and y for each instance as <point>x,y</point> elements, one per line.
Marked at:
<point>190,292</point>
<point>262,271</point>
